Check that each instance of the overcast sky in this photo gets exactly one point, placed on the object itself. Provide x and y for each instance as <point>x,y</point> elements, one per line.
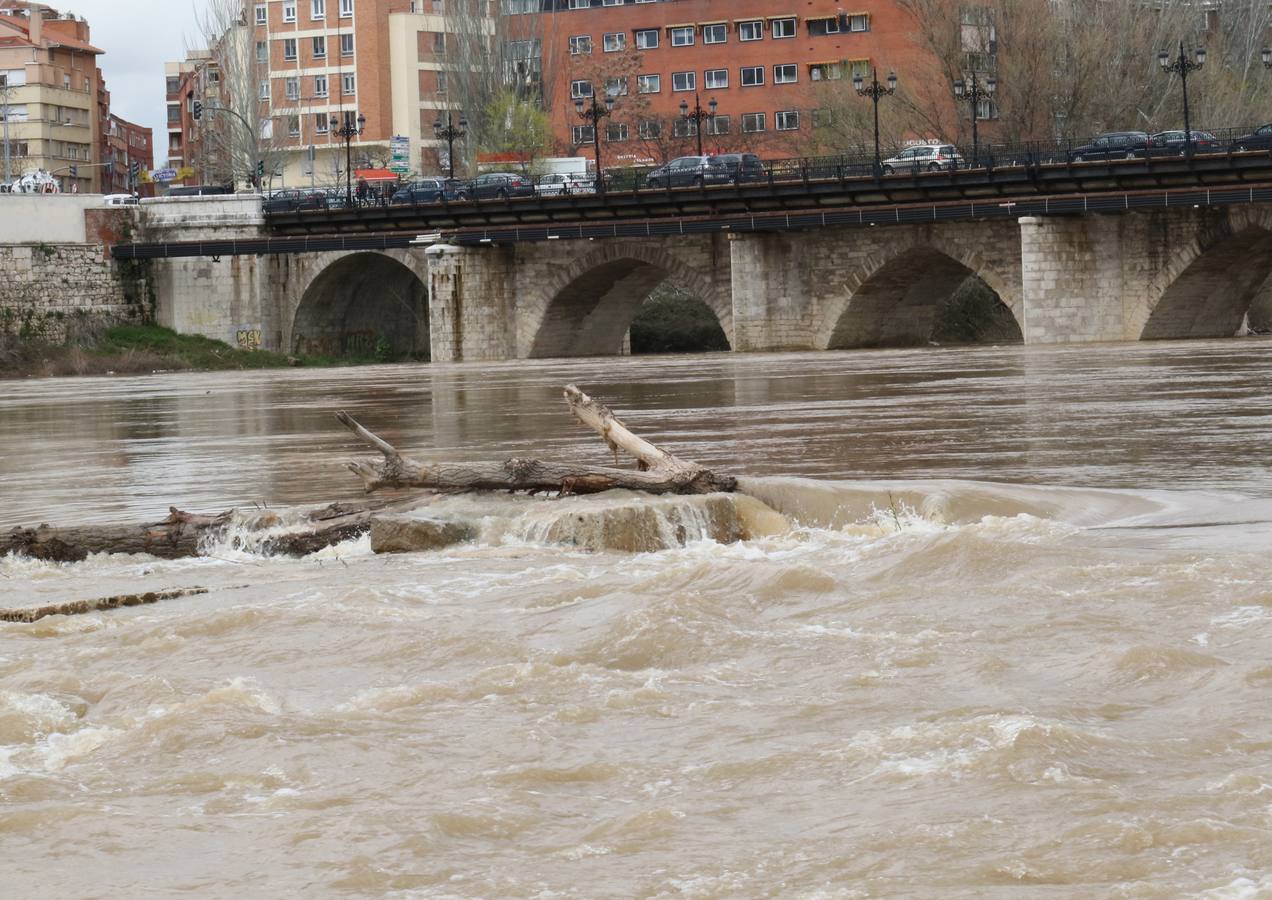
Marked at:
<point>138,37</point>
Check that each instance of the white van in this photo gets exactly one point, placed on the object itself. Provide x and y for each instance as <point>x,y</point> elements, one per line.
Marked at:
<point>119,200</point>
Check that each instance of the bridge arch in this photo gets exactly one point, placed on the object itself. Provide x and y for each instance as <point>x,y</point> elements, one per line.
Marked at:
<point>1207,284</point>
<point>895,296</point>
<point>586,306</point>
<point>359,303</point>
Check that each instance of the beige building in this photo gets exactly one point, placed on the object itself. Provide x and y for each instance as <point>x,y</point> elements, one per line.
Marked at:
<point>49,101</point>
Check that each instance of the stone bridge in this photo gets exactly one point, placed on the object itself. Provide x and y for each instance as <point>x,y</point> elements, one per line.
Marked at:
<point>1139,275</point>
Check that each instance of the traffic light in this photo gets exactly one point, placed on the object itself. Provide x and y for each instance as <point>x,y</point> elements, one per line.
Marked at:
<point>75,171</point>
<point>260,169</point>
<point>197,112</point>
<point>134,170</point>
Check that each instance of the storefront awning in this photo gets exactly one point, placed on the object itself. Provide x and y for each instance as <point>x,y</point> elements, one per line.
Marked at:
<point>375,175</point>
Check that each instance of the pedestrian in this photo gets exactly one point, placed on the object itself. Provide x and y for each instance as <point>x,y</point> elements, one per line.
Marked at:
<point>362,191</point>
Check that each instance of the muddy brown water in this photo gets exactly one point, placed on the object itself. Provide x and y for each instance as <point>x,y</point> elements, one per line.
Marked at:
<point>1017,640</point>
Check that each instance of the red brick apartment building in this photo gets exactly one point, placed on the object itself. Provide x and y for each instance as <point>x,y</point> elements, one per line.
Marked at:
<point>767,64</point>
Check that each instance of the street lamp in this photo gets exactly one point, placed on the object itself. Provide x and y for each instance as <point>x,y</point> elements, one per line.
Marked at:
<point>1181,66</point>
<point>594,113</point>
<point>347,131</point>
<point>1266,56</point>
<point>450,134</point>
<point>875,91</point>
<point>698,116</point>
<point>974,94</point>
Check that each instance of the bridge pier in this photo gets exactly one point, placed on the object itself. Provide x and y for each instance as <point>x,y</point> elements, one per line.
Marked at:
<point>471,304</point>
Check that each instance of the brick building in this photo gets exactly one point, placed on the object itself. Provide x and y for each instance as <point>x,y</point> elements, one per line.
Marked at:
<point>51,95</point>
<point>767,63</point>
<point>127,145</point>
<point>186,80</point>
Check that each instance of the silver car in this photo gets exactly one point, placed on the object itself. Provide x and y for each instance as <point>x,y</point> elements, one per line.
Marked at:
<point>928,158</point>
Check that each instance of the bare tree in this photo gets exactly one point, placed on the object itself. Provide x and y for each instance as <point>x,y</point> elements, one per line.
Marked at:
<point>239,129</point>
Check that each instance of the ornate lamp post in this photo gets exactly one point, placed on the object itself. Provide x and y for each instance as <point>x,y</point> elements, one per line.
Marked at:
<point>595,113</point>
<point>974,94</point>
<point>348,132</point>
<point>698,116</point>
<point>450,134</point>
<point>875,91</point>
<point>1181,66</point>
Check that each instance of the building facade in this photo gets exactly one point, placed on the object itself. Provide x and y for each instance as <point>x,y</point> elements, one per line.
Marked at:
<point>129,152</point>
<point>186,81</point>
<point>50,98</point>
<point>773,67</point>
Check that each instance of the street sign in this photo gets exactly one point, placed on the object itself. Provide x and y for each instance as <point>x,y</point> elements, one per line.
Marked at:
<point>164,175</point>
<point>400,154</point>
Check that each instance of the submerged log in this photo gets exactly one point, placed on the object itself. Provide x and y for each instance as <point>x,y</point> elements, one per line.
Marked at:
<point>76,607</point>
<point>658,472</point>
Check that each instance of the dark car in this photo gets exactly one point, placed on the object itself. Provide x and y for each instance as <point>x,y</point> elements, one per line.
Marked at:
<point>500,185</point>
<point>743,167</point>
<point>1259,139</point>
<point>431,190</point>
<point>294,201</point>
<point>1113,145</point>
<point>686,171</point>
<point>1174,141</point>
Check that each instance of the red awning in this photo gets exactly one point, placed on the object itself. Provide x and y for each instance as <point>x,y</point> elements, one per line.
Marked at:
<point>375,175</point>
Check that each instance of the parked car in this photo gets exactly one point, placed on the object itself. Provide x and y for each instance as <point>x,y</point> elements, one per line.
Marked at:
<point>120,200</point>
<point>1112,145</point>
<point>294,200</point>
<point>1173,140</point>
<point>927,158</point>
<point>564,183</point>
<point>686,171</point>
<point>743,167</point>
<point>1259,139</point>
<point>430,190</point>
<point>500,185</point>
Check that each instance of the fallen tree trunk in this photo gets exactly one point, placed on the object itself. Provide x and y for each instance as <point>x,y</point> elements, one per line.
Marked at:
<point>76,607</point>
<point>658,472</point>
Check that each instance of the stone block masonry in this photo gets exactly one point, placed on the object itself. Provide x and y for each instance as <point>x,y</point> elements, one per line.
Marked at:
<point>59,292</point>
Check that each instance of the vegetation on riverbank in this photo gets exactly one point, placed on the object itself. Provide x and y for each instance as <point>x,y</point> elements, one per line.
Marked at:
<point>143,349</point>
<point>674,321</point>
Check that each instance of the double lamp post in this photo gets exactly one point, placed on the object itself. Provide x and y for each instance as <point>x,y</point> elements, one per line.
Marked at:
<point>347,131</point>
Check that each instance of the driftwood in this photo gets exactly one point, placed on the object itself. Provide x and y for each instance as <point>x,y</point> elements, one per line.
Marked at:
<point>76,607</point>
<point>184,534</point>
<point>658,472</point>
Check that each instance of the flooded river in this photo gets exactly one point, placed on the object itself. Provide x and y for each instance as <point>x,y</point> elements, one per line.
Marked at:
<point>1015,638</point>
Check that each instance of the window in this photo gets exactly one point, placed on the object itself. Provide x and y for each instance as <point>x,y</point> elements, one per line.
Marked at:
<point>289,48</point>
<point>580,44</point>
<point>752,76</point>
<point>293,126</point>
<point>349,83</point>
<point>582,134</point>
<point>263,90</point>
<point>580,4</point>
<point>615,41</point>
<point>682,36</point>
<point>262,54</point>
<point>787,121</point>
<point>346,45</point>
<point>441,83</point>
<point>685,128</point>
<point>716,79</point>
<point>751,31</point>
<point>618,86</point>
<point>293,88</point>
<point>346,9</point>
<point>823,26</point>
<point>985,109</point>
<point>318,9</point>
<point>647,39</point>
<point>782,28</point>
<point>752,122</point>
<point>859,22</point>
<point>320,123</point>
<point>649,129</point>
<point>174,84</point>
<point>715,34</point>
<point>289,10</point>
<point>616,131</point>
<point>262,14</point>
<point>684,81</point>
<point>580,89</point>
<point>717,125</point>
<point>439,43</point>
<point>831,71</point>
<point>648,84</point>
<point>320,47</point>
<point>787,73</point>
<point>174,113</point>
<point>320,85</point>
